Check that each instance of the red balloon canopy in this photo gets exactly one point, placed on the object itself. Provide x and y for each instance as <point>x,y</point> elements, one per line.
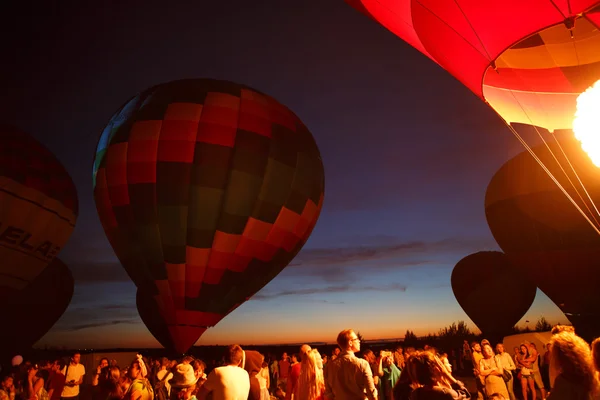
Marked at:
<point>528,59</point>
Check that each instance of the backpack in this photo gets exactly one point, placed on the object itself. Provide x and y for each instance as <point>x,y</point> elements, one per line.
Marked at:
<point>160,389</point>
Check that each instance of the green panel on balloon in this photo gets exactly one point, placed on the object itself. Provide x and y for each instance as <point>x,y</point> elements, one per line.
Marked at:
<point>242,186</point>
<point>278,180</point>
<point>207,206</point>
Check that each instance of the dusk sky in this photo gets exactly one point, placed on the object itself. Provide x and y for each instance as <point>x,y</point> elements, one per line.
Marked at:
<point>408,153</point>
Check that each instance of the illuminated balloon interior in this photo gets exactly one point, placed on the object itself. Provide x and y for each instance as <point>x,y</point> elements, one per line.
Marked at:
<point>586,124</point>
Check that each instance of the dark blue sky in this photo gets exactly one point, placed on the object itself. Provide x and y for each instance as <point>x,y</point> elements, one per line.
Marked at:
<point>408,152</point>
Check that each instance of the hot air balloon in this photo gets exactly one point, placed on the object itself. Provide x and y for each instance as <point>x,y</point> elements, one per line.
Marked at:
<point>531,61</point>
<point>544,235</point>
<point>491,291</point>
<point>38,209</point>
<point>34,310</point>
<point>206,190</point>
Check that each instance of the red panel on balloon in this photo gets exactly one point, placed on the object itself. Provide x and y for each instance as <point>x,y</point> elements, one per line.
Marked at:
<point>216,134</point>
<point>256,249</point>
<point>176,151</point>
<point>287,220</point>
<point>142,131</point>
<point>141,172</point>
<point>212,276</point>
<point>230,261</point>
<point>183,112</point>
<point>255,124</point>
<point>257,230</point>
<point>119,195</point>
<point>142,151</point>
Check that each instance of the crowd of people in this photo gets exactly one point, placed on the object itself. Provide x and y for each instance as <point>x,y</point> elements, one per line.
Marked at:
<point>348,374</point>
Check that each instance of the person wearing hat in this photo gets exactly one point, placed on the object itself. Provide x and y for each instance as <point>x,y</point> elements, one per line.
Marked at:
<point>230,382</point>
<point>252,362</point>
<point>184,380</point>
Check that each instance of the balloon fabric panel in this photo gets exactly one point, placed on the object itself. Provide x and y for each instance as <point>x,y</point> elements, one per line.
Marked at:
<point>206,189</point>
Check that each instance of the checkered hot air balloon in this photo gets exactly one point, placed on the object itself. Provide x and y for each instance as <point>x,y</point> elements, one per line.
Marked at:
<point>206,190</point>
<point>38,209</point>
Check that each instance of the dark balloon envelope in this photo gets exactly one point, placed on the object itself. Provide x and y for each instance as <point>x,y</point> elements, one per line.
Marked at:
<point>206,190</point>
<point>544,234</point>
<point>491,291</point>
<point>33,311</point>
<point>151,317</point>
<point>38,208</point>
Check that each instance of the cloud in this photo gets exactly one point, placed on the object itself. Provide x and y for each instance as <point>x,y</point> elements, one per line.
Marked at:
<point>74,328</point>
<point>329,290</point>
<point>354,254</point>
<point>95,271</point>
<point>347,264</point>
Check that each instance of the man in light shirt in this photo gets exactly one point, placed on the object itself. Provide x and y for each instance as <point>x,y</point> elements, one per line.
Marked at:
<point>230,382</point>
<point>507,363</point>
<point>74,373</point>
<point>349,377</point>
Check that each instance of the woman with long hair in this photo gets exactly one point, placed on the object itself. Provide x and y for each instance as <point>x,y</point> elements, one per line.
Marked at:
<point>524,364</point>
<point>33,388</point>
<point>311,383</point>
<point>110,384</point>
<point>571,359</point>
<point>431,380</point>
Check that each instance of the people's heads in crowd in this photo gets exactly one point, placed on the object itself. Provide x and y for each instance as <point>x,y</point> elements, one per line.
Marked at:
<point>387,359</point>
<point>199,367</point>
<point>425,368</point>
<point>234,355</point>
<point>475,346</point>
<point>596,353</point>
<point>184,376</point>
<point>304,350</point>
<point>7,382</point>
<point>562,328</point>
<point>499,348</point>
<point>487,350</point>
<point>348,341</point>
<point>524,349</point>
<point>571,357</point>
<point>75,357</point>
<point>369,355</point>
<point>135,370</point>
<point>58,365</point>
